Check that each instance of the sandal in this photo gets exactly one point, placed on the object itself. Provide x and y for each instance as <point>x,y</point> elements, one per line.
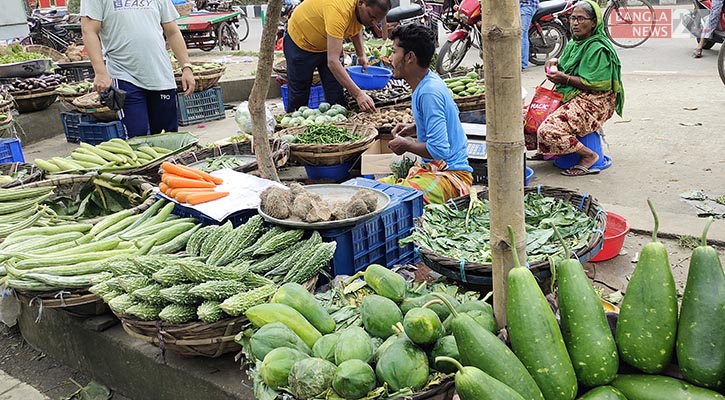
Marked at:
<point>580,170</point>
<point>697,53</point>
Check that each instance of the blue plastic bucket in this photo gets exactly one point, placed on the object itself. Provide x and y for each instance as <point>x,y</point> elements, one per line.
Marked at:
<point>373,78</point>
<point>335,172</point>
<point>592,141</point>
<point>529,175</point>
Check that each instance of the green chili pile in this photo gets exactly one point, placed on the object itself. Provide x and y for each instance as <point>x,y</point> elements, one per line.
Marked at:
<point>326,134</point>
<point>464,234</point>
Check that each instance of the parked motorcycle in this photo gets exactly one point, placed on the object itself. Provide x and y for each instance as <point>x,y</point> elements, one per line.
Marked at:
<point>696,19</point>
<point>547,34</point>
<point>48,29</point>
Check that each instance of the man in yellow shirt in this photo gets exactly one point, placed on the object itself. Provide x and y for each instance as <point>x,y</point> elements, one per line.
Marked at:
<point>314,37</point>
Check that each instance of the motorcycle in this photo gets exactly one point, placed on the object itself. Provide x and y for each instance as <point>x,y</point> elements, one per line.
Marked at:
<point>48,28</point>
<point>287,9</point>
<point>697,18</point>
<point>547,34</point>
<point>427,14</point>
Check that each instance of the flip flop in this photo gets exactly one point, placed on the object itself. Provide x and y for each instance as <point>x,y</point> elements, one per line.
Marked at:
<point>697,53</point>
<point>583,169</point>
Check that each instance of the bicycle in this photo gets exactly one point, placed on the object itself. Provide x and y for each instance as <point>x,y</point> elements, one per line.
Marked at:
<point>629,23</point>
<point>46,33</point>
<point>242,23</point>
<point>721,63</point>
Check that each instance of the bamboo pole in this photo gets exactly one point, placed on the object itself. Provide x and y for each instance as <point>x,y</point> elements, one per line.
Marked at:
<point>259,91</point>
<point>501,38</point>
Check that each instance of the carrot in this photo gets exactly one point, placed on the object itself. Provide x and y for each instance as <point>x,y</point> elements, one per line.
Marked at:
<point>176,181</point>
<point>181,193</point>
<point>204,175</point>
<point>163,187</point>
<point>198,198</point>
<point>177,170</point>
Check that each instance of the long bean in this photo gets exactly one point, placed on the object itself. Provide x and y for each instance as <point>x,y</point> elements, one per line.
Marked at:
<point>326,134</point>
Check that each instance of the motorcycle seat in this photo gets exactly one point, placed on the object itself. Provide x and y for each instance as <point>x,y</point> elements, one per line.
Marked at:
<point>548,7</point>
<point>398,14</point>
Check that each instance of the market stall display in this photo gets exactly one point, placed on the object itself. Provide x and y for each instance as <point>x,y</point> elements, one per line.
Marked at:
<point>71,91</point>
<point>189,185</point>
<point>321,144</point>
<point>7,104</point>
<point>17,173</point>
<point>324,114</point>
<point>468,91</point>
<point>238,156</point>
<point>396,93</point>
<point>16,63</point>
<point>49,52</point>
<point>464,257</point>
<point>206,75</point>
<point>385,119</point>
<point>32,94</point>
<point>90,103</point>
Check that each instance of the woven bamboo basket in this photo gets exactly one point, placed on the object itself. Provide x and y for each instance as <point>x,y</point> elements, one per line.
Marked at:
<point>471,103</point>
<point>481,274</point>
<point>204,79</point>
<point>330,154</point>
<point>195,338</point>
<point>280,68</point>
<point>185,9</point>
<point>54,54</point>
<point>280,154</point>
<point>33,173</point>
<point>366,119</point>
<point>90,103</point>
<point>32,101</point>
<point>6,106</point>
<point>77,303</point>
<point>70,185</point>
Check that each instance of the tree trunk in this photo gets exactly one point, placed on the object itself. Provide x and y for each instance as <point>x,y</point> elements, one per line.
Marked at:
<point>501,36</point>
<point>259,91</point>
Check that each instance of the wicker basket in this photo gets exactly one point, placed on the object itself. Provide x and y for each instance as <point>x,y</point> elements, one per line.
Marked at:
<point>280,154</point>
<point>54,54</point>
<point>89,103</point>
<point>330,154</point>
<point>280,68</point>
<point>185,9</point>
<point>195,338</point>
<point>444,391</point>
<point>70,185</point>
<point>34,173</point>
<point>6,106</point>
<point>27,102</point>
<point>364,119</point>
<point>481,274</point>
<point>471,103</point>
<point>204,79</point>
<point>77,303</point>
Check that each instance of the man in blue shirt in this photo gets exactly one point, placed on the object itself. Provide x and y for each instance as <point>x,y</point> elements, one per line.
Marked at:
<point>441,141</point>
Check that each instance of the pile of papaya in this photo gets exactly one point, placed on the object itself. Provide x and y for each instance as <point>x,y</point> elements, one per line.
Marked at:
<point>466,85</point>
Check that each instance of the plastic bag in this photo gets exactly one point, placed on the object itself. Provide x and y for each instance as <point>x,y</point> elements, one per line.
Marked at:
<point>244,119</point>
<point>545,101</point>
<point>9,307</point>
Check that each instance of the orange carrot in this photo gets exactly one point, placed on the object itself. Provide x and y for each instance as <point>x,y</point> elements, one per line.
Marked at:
<point>198,198</point>
<point>176,181</point>
<point>177,170</point>
<point>181,193</point>
<point>204,175</point>
<point>163,187</point>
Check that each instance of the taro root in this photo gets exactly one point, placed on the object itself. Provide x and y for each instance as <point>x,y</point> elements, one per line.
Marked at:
<point>356,208</point>
<point>302,205</point>
<point>318,212</point>
<point>276,201</point>
<point>339,211</point>
<point>367,196</point>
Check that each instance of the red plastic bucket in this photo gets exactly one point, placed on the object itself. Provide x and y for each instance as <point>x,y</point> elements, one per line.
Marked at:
<point>614,234</point>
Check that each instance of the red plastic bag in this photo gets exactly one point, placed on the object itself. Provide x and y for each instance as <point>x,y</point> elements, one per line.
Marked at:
<point>545,101</point>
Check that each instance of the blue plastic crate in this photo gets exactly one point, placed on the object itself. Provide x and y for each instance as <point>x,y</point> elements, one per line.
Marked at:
<point>317,96</point>
<point>11,151</point>
<point>202,106</point>
<point>99,132</point>
<point>71,121</point>
<point>375,241</point>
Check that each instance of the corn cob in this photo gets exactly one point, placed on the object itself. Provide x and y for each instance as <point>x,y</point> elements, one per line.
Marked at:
<point>241,302</point>
<point>314,261</point>
<point>276,230</point>
<point>120,304</point>
<point>129,283</point>
<point>193,246</point>
<point>212,239</point>
<point>150,294</point>
<point>170,275</point>
<point>217,290</point>
<point>280,242</point>
<point>178,314</point>
<point>210,312</point>
<point>144,311</point>
<point>179,294</point>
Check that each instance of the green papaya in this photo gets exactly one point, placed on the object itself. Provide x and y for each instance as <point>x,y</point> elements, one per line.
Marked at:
<point>422,326</point>
<point>444,347</point>
<point>474,384</point>
<point>353,343</point>
<point>272,336</point>
<point>299,298</point>
<point>354,379</point>
<point>379,314</point>
<point>603,393</point>
<point>325,347</point>
<point>384,282</point>
<point>389,341</point>
<point>277,364</point>
<point>410,303</point>
<point>647,323</point>
<point>311,377</point>
<point>403,365</point>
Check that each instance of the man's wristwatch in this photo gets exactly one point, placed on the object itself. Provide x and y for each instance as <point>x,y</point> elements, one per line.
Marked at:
<point>187,65</point>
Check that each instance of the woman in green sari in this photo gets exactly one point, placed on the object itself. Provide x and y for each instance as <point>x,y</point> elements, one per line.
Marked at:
<point>588,75</point>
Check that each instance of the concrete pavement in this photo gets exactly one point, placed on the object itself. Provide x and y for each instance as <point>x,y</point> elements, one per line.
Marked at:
<point>13,389</point>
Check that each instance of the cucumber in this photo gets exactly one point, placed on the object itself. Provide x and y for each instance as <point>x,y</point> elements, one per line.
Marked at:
<point>647,322</point>
<point>482,349</point>
<point>584,326</point>
<point>700,339</point>
<point>474,384</point>
<point>535,335</point>
<point>604,393</point>
<point>648,387</point>
<point>297,297</point>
